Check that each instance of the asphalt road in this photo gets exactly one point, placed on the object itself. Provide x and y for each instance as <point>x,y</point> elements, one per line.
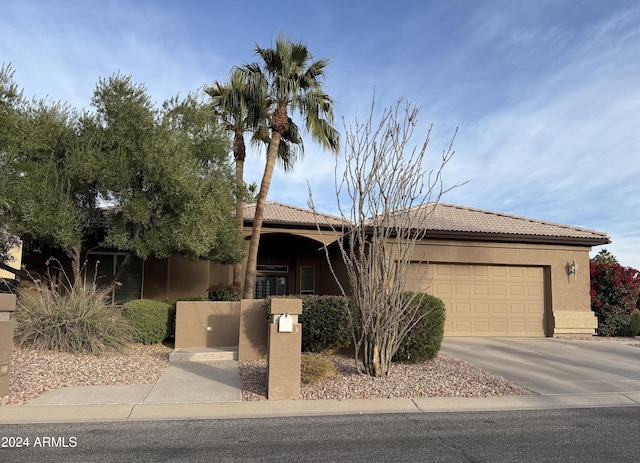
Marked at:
<point>577,435</point>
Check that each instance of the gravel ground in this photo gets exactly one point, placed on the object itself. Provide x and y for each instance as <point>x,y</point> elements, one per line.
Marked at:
<point>34,372</point>
<point>441,377</point>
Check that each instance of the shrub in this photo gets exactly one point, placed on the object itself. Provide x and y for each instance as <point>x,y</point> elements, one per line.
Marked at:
<point>423,341</point>
<point>633,325</point>
<point>150,320</point>
<point>78,321</point>
<point>614,294</point>
<point>316,367</point>
<point>325,323</point>
<point>223,292</point>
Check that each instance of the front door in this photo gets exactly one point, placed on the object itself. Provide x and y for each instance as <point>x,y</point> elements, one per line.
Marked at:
<point>270,285</point>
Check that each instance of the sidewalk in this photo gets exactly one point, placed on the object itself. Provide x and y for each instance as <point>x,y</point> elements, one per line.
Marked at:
<point>211,390</point>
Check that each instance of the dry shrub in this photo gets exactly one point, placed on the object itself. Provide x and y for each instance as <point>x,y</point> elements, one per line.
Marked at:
<point>76,322</point>
<point>316,367</point>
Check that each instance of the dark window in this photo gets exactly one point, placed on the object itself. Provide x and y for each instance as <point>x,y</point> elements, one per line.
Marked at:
<point>101,268</point>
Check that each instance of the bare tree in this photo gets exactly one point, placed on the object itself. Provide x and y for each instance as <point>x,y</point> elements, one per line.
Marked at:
<point>387,196</point>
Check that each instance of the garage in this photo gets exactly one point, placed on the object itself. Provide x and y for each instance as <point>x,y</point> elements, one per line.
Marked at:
<point>486,300</point>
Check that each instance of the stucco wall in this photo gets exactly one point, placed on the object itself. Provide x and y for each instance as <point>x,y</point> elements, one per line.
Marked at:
<point>207,324</point>
<point>176,277</point>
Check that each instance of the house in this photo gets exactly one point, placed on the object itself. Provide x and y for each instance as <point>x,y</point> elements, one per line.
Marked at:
<point>498,274</point>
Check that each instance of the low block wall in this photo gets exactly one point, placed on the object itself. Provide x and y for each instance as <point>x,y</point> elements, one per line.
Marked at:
<point>573,322</point>
<point>207,324</point>
<point>253,330</point>
<point>6,350</point>
<point>7,307</point>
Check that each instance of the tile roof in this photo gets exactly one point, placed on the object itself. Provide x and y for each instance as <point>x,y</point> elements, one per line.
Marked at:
<point>446,219</point>
<point>283,214</point>
<point>449,218</point>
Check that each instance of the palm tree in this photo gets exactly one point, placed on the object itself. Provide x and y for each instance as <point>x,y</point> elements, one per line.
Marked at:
<point>239,113</point>
<point>289,80</point>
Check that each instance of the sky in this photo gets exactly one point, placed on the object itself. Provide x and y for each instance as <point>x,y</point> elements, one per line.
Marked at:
<point>544,94</point>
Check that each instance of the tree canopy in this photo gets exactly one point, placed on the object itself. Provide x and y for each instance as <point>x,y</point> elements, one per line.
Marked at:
<point>151,181</point>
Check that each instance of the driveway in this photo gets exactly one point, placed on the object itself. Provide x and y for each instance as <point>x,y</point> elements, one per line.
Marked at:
<point>554,366</point>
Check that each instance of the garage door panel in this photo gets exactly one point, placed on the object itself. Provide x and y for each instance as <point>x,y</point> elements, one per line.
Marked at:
<point>517,290</point>
<point>481,308</point>
<point>486,300</point>
<point>463,290</point>
<point>498,290</point>
<point>480,290</point>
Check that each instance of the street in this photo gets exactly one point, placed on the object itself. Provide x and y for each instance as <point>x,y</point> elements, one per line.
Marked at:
<point>584,435</point>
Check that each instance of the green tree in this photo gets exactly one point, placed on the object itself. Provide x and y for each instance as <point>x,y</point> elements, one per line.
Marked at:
<point>163,174</point>
<point>288,80</point>
<point>10,100</point>
<point>42,197</point>
<point>166,175</point>
<point>605,257</point>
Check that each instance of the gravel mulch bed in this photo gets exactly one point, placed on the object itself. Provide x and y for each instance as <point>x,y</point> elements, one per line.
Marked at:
<point>35,372</point>
<point>441,377</point>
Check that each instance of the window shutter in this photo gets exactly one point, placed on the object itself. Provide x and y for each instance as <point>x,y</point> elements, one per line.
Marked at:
<point>307,280</point>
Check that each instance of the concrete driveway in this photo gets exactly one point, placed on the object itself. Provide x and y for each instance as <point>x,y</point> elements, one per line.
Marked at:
<point>554,366</point>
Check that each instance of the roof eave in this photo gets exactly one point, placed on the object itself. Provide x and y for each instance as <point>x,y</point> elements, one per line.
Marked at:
<point>294,226</point>
<point>511,238</point>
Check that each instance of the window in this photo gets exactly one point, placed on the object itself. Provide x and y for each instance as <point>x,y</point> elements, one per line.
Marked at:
<point>307,280</point>
<point>101,268</point>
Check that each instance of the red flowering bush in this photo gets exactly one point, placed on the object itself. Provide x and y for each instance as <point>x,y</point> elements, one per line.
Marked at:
<point>223,293</point>
<point>614,296</point>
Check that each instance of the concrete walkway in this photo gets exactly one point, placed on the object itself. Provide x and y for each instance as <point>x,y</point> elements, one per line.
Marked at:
<point>564,374</point>
<point>181,382</point>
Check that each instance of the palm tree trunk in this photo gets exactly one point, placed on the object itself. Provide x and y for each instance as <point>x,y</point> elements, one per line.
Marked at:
<point>237,268</point>
<point>254,243</point>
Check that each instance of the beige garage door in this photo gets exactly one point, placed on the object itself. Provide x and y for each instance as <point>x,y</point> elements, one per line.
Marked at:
<point>486,300</point>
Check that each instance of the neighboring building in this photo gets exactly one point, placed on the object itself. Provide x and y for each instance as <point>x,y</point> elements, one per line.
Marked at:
<point>8,282</point>
<point>498,274</point>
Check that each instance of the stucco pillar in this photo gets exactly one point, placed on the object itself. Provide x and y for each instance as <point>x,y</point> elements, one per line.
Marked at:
<point>284,350</point>
<point>7,307</point>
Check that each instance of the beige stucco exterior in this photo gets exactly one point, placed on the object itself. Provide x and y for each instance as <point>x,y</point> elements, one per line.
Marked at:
<point>177,277</point>
<point>207,324</point>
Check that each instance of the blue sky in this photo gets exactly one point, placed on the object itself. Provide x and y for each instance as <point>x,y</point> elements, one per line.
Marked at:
<point>545,93</point>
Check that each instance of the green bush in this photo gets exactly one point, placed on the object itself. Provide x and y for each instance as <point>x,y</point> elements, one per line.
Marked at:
<point>424,340</point>
<point>632,327</point>
<point>325,323</point>
<point>150,321</point>
<point>78,321</point>
<point>316,367</point>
